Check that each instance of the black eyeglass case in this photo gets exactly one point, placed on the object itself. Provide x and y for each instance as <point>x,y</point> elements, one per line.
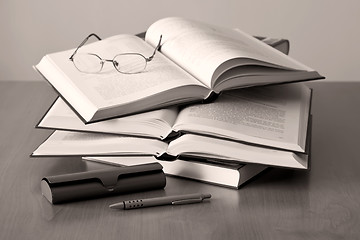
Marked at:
<point>102,183</point>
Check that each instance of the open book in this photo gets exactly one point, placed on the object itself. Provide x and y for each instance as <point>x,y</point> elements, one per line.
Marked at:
<point>216,130</point>
<point>274,116</point>
<point>196,62</point>
<point>65,143</point>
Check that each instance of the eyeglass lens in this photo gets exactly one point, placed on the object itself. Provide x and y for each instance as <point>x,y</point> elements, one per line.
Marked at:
<point>124,63</point>
<point>129,63</point>
<point>87,63</point>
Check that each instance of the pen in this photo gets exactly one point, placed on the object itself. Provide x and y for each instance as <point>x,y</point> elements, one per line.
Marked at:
<point>152,202</point>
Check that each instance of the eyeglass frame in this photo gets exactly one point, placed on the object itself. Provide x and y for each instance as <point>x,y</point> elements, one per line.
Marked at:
<point>147,59</point>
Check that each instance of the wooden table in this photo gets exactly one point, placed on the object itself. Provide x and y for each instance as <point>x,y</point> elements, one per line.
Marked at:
<point>279,204</point>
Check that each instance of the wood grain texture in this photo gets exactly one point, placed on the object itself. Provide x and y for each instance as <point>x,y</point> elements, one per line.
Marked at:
<point>278,204</point>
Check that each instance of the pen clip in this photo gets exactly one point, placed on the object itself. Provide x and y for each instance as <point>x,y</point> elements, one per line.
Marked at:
<point>187,201</point>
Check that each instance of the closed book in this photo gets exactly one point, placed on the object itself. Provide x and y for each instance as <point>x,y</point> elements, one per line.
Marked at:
<point>208,171</point>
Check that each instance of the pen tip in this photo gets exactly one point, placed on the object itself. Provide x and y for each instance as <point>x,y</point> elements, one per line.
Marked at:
<point>207,195</point>
<point>117,206</point>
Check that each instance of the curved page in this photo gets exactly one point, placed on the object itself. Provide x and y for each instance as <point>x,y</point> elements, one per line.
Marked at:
<point>275,116</point>
<point>200,146</point>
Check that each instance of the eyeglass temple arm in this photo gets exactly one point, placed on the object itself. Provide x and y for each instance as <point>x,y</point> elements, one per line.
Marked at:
<point>83,42</point>
<point>157,48</point>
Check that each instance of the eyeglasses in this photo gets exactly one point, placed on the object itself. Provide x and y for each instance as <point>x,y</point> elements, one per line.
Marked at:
<point>128,63</point>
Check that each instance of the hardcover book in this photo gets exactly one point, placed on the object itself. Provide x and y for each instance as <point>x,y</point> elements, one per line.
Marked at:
<point>196,62</point>
<point>232,175</point>
<point>64,143</point>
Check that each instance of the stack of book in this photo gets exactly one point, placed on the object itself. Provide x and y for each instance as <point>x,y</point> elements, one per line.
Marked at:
<point>208,106</point>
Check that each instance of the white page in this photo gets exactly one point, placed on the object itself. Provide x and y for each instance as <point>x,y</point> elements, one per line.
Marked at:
<point>275,116</point>
<point>200,48</point>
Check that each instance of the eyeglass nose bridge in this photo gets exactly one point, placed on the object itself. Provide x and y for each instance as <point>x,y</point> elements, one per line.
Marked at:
<point>107,60</point>
<point>115,63</point>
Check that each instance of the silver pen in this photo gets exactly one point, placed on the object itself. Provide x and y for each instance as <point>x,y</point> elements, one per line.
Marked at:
<point>159,201</point>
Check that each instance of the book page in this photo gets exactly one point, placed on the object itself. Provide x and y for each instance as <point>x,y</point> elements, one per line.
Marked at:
<point>156,124</point>
<point>200,48</point>
<point>109,87</point>
<point>274,116</point>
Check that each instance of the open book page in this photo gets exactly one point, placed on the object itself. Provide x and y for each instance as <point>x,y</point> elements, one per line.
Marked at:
<point>156,124</point>
<point>207,147</point>
<point>62,143</point>
<point>110,88</point>
<point>201,49</point>
<point>275,116</point>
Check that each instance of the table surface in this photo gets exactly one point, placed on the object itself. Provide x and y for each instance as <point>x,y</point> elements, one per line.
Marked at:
<point>279,204</point>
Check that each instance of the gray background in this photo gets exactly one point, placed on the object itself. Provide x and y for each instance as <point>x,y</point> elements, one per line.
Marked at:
<point>323,34</point>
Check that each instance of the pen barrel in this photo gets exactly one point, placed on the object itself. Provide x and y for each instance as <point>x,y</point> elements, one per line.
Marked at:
<point>151,202</point>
